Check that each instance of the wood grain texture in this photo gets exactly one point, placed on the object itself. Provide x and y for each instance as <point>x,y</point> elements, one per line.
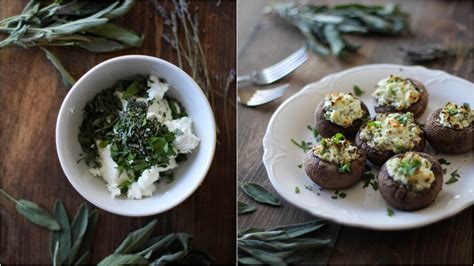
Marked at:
<point>448,241</point>
<point>31,93</point>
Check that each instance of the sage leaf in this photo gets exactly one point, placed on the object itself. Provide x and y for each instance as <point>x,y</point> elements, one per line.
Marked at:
<point>245,208</point>
<point>63,236</point>
<point>89,235</point>
<point>121,10</point>
<point>136,239</point>
<point>78,230</point>
<point>158,244</point>
<point>74,26</point>
<point>33,212</point>
<point>68,80</point>
<point>334,39</point>
<point>55,254</point>
<point>249,230</point>
<point>176,256</point>
<point>249,261</point>
<point>119,259</point>
<point>117,33</point>
<point>260,194</point>
<point>296,230</point>
<point>132,89</point>
<point>84,259</point>
<point>101,45</point>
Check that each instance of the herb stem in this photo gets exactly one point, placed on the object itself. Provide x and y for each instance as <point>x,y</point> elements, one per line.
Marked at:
<point>8,195</point>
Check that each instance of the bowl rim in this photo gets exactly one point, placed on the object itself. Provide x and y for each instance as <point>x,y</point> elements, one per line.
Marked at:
<point>63,112</point>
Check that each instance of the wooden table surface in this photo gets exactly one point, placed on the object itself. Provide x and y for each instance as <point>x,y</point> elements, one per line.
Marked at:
<point>264,41</point>
<point>31,93</point>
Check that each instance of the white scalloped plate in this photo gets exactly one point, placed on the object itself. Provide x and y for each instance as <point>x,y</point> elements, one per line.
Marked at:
<point>363,207</point>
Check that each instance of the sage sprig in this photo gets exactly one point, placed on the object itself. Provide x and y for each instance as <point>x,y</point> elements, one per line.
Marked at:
<point>280,245</point>
<point>33,212</point>
<point>63,236</point>
<point>324,26</point>
<point>245,208</point>
<point>260,194</point>
<point>83,24</point>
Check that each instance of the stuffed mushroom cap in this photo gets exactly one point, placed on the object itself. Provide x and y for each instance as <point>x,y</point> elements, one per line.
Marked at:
<point>410,181</point>
<point>335,163</point>
<point>450,129</point>
<point>340,113</point>
<point>390,134</point>
<point>398,94</point>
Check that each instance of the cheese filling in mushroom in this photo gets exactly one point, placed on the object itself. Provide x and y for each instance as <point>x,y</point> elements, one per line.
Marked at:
<point>337,150</point>
<point>396,91</point>
<point>457,117</point>
<point>411,170</point>
<point>342,109</point>
<point>396,132</point>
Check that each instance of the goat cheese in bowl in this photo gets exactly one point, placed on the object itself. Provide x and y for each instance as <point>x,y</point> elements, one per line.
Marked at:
<point>133,122</point>
<point>133,136</point>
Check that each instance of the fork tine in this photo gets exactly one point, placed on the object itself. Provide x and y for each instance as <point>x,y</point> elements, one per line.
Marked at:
<point>265,96</point>
<point>290,58</point>
<point>284,70</point>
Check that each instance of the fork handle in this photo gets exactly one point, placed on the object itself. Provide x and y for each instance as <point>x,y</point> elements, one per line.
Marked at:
<point>244,79</point>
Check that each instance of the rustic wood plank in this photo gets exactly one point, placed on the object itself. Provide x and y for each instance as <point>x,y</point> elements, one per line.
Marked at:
<point>272,40</point>
<point>31,93</point>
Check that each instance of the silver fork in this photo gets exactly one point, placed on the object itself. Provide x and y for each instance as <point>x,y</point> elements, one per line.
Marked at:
<point>260,97</point>
<point>277,71</point>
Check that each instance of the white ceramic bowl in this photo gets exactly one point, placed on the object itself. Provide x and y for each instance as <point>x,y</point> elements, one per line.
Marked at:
<point>188,176</point>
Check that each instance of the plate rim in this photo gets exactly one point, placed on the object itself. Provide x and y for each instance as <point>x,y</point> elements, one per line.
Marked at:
<point>327,78</point>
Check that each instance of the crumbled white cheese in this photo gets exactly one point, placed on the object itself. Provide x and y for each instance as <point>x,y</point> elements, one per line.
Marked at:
<point>145,185</point>
<point>157,89</point>
<point>108,171</point>
<point>161,110</point>
<point>396,91</point>
<point>185,139</point>
<point>342,109</point>
<point>454,116</point>
<point>412,170</point>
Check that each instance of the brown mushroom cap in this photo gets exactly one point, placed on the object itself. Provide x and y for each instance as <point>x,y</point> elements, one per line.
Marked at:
<point>448,140</point>
<point>378,156</point>
<point>327,175</point>
<point>417,108</point>
<point>328,129</point>
<point>401,197</point>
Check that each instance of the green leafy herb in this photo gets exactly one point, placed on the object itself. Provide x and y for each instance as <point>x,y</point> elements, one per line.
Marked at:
<point>374,123</point>
<point>390,212</point>
<point>78,230</point>
<point>334,197</point>
<point>69,24</point>
<point>310,188</point>
<point>345,168</point>
<point>323,142</point>
<point>305,146</point>
<point>324,26</point>
<point>260,194</point>
<point>466,105</point>
<point>453,111</point>
<point>132,89</point>
<point>407,167</point>
<point>245,208</point>
<point>443,161</point>
<point>119,259</point>
<point>136,239</point>
<point>33,212</point>
<point>338,194</point>
<point>369,179</point>
<point>297,190</point>
<point>357,91</point>
<point>63,236</point>
<point>279,245</point>
<point>454,177</point>
<point>337,139</point>
<point>342,195</point>
<point>313,130</point>
<point>403,119</point>
<point>300,166</point>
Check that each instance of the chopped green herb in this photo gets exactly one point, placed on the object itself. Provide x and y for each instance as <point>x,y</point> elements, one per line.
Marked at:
<point>369,179</point>
<point>403,119</point>
<point>454,177</point>
<point>336,139</point>
<point>314,131</point>
<point>453,111</point>
<point>300,165</point>
<point>408,167</point>
<point>324,142</point>
<point>444,170</point>
<point>443,161</point>
<point>466,105</point>
<point>374,123</point>
<point>297,190</point>
<point>310,188</point>
<point>357,90</point>
<point>342,195</point>
<point>334,197</point>
<point>390,212</point>
<point>305,146</point>
<point>132,89</point>
<point>345,168</point>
